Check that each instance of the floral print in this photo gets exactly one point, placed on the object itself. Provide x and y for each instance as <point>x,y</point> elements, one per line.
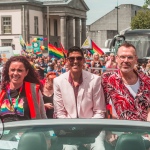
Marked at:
<point>126,106</point>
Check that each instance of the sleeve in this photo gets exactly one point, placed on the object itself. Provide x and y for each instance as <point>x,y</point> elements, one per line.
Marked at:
<point>41,106</point>
<point>59,109</point>
<point>104,81</point>
<point>99,107</point>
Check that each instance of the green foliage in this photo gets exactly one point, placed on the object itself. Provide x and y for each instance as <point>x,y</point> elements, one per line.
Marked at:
<point>146,4</point>
<point>141,20</point>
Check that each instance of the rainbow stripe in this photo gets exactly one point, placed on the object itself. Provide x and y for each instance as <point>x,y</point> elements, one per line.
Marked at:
<point>96,49</point>
<point>39,54</point>
<point>5,107</point>
<point>55,52</point>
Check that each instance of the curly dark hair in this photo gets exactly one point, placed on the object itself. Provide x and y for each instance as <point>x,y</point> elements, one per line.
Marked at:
<point>32,75</point>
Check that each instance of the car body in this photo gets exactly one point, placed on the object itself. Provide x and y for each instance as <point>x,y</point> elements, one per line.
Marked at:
<point>52,134</point>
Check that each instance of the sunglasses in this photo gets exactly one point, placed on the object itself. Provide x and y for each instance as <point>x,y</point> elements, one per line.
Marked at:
<point>79,58</point>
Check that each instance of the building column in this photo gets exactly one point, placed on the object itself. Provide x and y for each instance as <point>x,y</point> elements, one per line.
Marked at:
<point>77,31</point>
<point>23,20</point>
<point>44,28</point>
<point>83,31</point>
<point>26,23</point>
<point>48,35</point>
<point>63,31</point>
<point>70,31</point>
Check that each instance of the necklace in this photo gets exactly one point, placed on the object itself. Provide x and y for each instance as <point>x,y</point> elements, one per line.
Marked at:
<point>13,107</point>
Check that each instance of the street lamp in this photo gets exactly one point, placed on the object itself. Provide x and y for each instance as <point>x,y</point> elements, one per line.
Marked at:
<point>117,18</point>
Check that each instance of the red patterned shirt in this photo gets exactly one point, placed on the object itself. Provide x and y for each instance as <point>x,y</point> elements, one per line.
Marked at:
<point>127,107</point>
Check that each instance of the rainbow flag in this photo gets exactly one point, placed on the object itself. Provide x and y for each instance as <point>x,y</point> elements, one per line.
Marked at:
<point>39,54</point>
<point>55,52</point>
<point>96,49</point>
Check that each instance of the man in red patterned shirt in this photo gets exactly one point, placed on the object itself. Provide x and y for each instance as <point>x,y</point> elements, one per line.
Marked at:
<point>127,89</point>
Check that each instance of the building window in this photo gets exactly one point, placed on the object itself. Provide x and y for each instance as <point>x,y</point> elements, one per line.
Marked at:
<point>6,42</point>
<point>36,29</point>
<point>55,28</point>
<point>6,25</point>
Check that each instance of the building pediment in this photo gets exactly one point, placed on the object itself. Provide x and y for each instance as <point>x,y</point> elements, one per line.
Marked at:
<point>78,4</point>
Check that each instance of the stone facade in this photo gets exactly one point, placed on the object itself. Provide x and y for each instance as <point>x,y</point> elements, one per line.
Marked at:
<point>106,27</point>
<point>63,20</point>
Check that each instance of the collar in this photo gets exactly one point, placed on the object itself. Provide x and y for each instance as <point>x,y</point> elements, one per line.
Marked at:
<point>71,80</point>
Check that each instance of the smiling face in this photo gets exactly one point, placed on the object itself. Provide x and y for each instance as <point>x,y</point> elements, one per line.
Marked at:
<point>17,73</point>
<point>126,59</point>
<point>75,62</point>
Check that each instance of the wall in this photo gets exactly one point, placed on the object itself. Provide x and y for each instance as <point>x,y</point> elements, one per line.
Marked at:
<point>16,26</point>
<point>107,25</point>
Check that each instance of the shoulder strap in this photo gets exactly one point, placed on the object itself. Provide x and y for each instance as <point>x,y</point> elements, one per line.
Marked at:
<point>2,94</point>
<point>37,94</point>
<point>30,99</point>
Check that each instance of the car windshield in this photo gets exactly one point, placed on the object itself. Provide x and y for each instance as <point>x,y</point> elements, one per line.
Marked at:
<point>53,136</point>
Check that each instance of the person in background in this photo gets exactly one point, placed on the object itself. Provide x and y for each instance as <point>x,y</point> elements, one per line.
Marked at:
<point>21,96</point>
<point>59,68</point>
<point>30,61</point>
<point>50,67</point>
<point>111,64</point>
<point>66,67</point>
<point>143,67</point>
<point>41,68</point>
<point>48,94</point>
<point>96,63</point>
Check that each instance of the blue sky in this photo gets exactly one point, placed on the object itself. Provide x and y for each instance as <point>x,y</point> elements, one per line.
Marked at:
<point>98,8</point>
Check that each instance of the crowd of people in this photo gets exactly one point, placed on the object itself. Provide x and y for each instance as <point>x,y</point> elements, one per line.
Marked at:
<point>80,86</point>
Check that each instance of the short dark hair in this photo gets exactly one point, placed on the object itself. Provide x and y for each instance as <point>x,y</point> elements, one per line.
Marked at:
<point>75,49</point>
<point>126,44</point>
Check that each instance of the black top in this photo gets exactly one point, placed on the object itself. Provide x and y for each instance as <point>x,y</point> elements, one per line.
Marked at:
<point>49,112</point>
<point>22,112</point>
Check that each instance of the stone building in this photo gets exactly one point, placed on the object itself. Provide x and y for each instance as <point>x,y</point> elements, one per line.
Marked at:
<point>58,20</point>
<point>112,23</point>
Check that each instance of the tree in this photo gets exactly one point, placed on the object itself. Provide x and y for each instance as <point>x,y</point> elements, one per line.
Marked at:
<point>146,4</point>
<point>141,20</point>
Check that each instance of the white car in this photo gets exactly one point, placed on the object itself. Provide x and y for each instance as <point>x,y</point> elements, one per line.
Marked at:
<point>52,134</point>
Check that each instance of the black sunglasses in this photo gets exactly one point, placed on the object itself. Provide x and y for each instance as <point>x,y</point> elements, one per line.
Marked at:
<point>79,58</point>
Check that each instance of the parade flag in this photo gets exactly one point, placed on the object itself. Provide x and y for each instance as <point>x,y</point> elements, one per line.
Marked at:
<point>96,49</point>
<point>63,50</point>
<point>91,47</point>
<point>55,52</point>
<point>87,44</point>
<point>39,54</point>
<point>22,43</point>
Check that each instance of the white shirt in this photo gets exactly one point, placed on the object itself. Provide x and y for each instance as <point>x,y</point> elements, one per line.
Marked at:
<point>133,88</point>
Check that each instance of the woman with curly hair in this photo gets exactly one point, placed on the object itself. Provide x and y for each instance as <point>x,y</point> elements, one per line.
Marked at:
<point>20,98</point>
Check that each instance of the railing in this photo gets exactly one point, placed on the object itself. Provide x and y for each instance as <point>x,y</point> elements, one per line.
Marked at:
<point>99,71</point>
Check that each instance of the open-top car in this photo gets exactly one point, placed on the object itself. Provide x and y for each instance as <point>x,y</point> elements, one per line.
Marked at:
<point>53,134</point>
